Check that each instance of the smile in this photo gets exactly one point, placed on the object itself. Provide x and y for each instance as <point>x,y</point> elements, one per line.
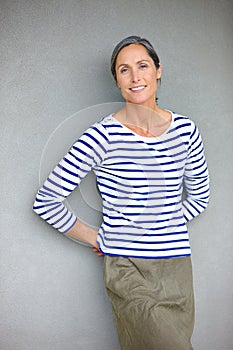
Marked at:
<point>137,88</point>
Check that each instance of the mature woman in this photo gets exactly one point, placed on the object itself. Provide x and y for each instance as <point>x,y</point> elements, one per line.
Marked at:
<point>142,155</point>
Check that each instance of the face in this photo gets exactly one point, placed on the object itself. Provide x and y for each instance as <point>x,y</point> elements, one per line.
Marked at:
<point>137,75</point>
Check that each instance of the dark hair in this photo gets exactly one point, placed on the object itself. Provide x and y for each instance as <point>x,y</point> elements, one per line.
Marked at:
<point>133,40</point>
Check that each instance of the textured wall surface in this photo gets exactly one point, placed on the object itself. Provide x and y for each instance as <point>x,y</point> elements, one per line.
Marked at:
<point>54,63</point>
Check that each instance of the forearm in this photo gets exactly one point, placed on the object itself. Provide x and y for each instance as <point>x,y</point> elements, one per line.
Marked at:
<point>84,233</point>
<point>192,208</point>
<point>196,178</point>
<point>197,195</point>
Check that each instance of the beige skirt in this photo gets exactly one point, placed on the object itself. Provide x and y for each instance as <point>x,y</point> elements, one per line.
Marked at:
<point>152,301</point>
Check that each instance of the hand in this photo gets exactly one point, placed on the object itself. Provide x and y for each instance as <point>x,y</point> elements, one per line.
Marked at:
<point>84,233</point>
<point>96,250</point>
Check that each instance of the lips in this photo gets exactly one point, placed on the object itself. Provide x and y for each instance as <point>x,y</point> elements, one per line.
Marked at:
<point>137,88</point>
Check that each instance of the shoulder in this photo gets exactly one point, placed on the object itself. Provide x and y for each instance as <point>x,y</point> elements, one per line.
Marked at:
<point>181,119</point>
<point>183,122</point>
<point>97,130</point>
<point>96,135</point>
<point>186,128</point>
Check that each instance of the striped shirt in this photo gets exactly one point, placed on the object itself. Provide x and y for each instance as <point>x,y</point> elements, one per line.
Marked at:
<point>141,182</point>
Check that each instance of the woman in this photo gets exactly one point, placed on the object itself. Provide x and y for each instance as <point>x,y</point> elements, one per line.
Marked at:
<point>141,156</point>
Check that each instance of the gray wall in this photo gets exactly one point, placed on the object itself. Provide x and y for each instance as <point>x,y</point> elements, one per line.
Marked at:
<point>54,63</point>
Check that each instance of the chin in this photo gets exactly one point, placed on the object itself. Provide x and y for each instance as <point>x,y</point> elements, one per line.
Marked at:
<point>142,102</point>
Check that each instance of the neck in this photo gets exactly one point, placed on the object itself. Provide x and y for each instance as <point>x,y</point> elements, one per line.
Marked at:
<point>143,120</point>
<point>141,116</point>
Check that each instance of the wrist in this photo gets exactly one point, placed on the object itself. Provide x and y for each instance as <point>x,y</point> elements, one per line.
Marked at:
<point>84,233</point>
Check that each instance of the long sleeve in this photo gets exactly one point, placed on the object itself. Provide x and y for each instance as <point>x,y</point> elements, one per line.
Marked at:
<point>196,178</point>
<point>86,153</point>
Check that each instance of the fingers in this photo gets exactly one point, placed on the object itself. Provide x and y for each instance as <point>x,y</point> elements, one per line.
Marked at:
<point>96,250</point>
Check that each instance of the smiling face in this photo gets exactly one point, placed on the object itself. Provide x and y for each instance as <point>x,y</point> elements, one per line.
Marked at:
<point>137,75</point>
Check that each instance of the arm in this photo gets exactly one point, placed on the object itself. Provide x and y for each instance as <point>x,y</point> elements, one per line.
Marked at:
<point>85,154</point>
<point>85,234</point>
<point>196,178</point>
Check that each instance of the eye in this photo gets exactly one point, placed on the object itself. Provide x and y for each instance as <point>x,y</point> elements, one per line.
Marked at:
<point>143,65</point>
<point>124,70</point>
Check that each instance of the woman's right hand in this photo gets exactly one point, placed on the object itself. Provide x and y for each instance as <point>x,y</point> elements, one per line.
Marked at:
<point>97,250</point>
<point>86,234</point>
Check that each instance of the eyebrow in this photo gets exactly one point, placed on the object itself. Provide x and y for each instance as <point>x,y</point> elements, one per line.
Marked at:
<point>126,64</point>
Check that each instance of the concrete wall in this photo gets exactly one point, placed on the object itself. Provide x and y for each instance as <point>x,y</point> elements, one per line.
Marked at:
<point>54,63</point>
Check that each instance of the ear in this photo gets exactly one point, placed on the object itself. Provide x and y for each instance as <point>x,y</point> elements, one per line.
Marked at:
<point>159,72</point>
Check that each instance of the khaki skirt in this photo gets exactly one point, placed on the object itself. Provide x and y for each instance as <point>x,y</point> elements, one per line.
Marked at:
<point>152,301</point>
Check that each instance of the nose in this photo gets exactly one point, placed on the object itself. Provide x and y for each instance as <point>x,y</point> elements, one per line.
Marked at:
<point>135,76</point>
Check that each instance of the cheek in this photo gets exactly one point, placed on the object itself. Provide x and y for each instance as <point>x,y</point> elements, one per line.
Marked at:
<point>152,76</point>
<point>121,81</point>
<point>151,79</point>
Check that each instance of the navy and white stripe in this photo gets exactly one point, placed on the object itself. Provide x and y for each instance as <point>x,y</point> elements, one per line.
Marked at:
<point>141,182</point>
